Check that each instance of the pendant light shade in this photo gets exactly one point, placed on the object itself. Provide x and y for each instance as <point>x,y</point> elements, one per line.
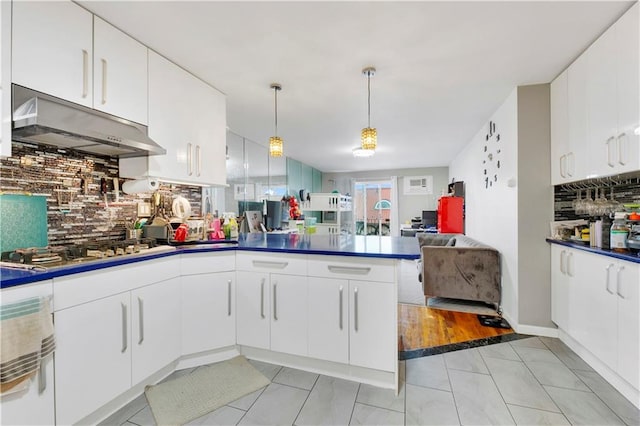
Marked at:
<point>369,135</point>
<point>276,148</point>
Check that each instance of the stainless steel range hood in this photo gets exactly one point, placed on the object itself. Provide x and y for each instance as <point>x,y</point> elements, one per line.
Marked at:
<point>43,119</point>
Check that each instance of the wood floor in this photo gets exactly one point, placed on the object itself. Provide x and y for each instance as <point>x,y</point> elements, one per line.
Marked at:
<point>421,327</point>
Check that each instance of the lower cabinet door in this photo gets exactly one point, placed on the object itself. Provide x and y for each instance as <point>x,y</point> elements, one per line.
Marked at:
<point>253,309</point>
<point>156,328</point>
<point>328,308</point>
<point>373,325</point>
<point>92,357</point>
<point>208,312</point>
<point>289,314</point>
<point>628,292</point>
<point>560,282</point>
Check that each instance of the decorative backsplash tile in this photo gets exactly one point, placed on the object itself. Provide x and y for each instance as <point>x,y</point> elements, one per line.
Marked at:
<point>73,215</point>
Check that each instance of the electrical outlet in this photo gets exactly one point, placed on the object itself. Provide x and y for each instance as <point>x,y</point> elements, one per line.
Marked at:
<point>144,209</point>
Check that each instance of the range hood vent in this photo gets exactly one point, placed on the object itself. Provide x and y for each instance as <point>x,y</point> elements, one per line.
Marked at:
<point>43,119</point>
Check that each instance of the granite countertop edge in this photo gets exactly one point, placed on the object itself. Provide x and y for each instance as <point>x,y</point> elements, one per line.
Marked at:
<point>15,277</point>
<point>629,257</point>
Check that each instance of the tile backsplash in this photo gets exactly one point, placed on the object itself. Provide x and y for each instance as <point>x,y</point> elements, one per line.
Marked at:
<point>73,215</point>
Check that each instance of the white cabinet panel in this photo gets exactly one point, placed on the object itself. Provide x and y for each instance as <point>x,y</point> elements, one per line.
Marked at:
<point>560,281</point>
<point>372,332</point>
<point>5,79</point>
<point>560,146</point>
<point>253,309</point>
<point>208,311</point>
<point>577,111</point>
<point>272,263</point>
<point>328,307</point>
<point>52,49</point>
<point>628,292</point>
<point>120,65</point>
<point>156,327</point>
<point>93,356</point>
<point>289,314</point>
<point>188,119</point>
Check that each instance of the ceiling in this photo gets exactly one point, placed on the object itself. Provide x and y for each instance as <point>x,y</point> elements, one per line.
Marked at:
<point>442,67</point>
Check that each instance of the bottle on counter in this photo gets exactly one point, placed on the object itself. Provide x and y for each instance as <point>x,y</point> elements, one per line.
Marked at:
<point>619,233</point>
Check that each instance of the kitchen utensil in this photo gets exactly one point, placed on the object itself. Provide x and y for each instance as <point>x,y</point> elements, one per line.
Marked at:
<point>181,233</point>
<point>181,207</point>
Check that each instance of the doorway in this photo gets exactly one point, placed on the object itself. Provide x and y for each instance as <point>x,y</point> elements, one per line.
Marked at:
<point>373,207</point>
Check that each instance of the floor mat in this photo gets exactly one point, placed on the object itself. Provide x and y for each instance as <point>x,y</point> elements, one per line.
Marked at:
<point>179,401</point>
<point>493,321</point>
<point>460,305</point>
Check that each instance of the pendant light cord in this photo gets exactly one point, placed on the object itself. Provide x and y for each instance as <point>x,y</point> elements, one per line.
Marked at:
<point>369,99</point>
<point>275,89</point>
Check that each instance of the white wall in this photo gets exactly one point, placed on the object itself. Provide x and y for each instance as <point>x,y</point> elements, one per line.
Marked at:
<point>408,205</point>
<point>514,214</point>
<point>492,213</point>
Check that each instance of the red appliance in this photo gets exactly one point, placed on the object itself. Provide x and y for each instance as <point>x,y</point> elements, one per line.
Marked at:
<point>450,215</point>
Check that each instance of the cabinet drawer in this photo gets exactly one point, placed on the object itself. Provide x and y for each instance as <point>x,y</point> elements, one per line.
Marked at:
<point>294,264</point>
<point>82,288</point>
<point>367,269</point>
<point>204,263</point>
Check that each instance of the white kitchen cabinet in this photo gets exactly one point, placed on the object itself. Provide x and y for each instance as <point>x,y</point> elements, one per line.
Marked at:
<point>30,406</point>
<point>613,98</point>
<point>370,329</point>
<point>208,301</point>
<point>188,118</point>
<point>328,307</point>
<point>562,265</point>
<point>103,347</point>
<point>93,356</point>
<point>576,158</point>
<point>595,300</point>
<point>156,328</point>
<point>560,146</point>
<point>52,49</point>
<point>371,311</point>
<point>272,302</point>
<point>289,314</point>
<point>253,309</point>
<point>120,72</point>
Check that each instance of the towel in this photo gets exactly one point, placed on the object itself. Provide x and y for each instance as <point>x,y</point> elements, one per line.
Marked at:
<point>26,338</point>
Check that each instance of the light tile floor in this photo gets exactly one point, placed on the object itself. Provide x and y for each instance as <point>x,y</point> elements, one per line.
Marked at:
<point>533,381</point>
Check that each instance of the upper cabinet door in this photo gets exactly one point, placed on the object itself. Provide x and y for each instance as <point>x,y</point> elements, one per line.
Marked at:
<point>52,49</point>
<point>628,88</point>
<point>120,64</point>
<point>577,104</point>
<point>560,147</point>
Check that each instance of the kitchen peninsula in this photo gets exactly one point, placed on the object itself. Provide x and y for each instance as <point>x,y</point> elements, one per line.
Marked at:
<point>321,303</point>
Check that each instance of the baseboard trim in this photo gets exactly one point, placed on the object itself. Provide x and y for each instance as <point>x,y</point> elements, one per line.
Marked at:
<point>536,330</point>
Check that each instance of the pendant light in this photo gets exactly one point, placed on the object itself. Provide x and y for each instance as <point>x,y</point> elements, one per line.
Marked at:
<point>369,136</point>
<point>275,142</point>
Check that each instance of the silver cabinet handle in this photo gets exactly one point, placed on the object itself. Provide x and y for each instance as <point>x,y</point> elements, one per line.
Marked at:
<point>198,160</point>
<point>104,81</point>
<point>340,307</point>
<point>125,337</point>
<point>607,280</point>
<point>570,265</point>
<point>608,143</point>
<point>189,159</point>
<point>229,298</point>
<point>622,148</point>
<point>141,323</point>
<point>563,267</point>
<point>85,73</point>
<point>571,165</point>
<point>618,282</point>
<point>275,301</point>
<point>267,264</point>
<point>355,308</point>
<point>42,377</point>
<point>349,270</point>
<point>563,162</point>
<point>262,298</point>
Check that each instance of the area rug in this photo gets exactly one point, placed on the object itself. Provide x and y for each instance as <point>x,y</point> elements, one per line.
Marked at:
<point>460,306</point>
<point>179,401</point>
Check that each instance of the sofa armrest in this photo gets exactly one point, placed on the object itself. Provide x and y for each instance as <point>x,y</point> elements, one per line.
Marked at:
<point>470,273</point>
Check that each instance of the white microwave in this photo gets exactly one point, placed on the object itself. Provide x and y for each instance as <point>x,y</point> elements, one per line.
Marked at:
<point>329,217</point>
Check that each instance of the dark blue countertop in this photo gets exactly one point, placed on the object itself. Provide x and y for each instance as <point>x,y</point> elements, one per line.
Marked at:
<point>336,245</point>
<point>629,257</point>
